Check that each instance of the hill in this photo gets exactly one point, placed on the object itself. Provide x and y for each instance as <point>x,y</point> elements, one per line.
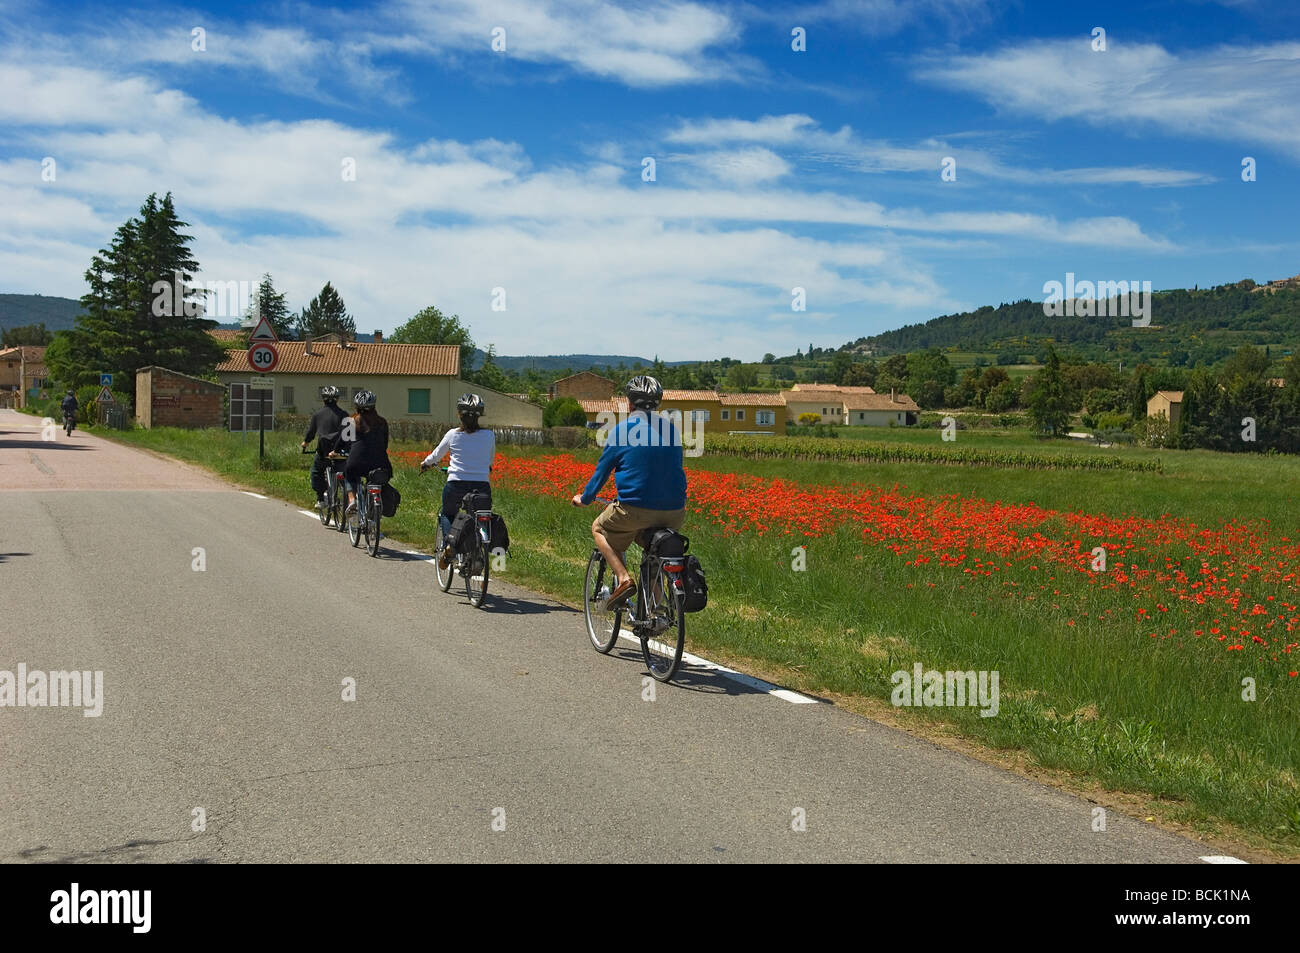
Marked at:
<point>55,313</point>
<point>1187,327</point>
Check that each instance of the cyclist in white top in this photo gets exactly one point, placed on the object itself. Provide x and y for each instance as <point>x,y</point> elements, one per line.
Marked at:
<point>472,450</point>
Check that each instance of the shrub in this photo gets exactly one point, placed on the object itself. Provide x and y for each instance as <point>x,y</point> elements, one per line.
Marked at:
<point>564,412</point>
<point>809,420</point>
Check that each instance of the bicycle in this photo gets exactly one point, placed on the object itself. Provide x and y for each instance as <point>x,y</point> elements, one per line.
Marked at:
<point>659,608</point>
<point>370,507</point>
<point>335,502</point>
<point>474,566</point>
<point>69,422</point>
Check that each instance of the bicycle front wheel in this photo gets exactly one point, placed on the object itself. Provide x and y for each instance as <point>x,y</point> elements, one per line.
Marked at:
<point>662,643</point>
<point>444,575</point>
<point>602,626</point>
<point>476,573</point>
<point>372,541</point>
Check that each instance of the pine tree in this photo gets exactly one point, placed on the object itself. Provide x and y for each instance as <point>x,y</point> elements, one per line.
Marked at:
<point>1049,404</point>
<point>270,304</point>
<point>326,314</point>
<point>130,318</point>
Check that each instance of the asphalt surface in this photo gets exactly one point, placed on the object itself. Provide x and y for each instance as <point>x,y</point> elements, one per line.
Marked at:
<point>222,691</point>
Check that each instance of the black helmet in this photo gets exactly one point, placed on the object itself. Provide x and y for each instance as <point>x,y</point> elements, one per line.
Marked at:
<point>329,392</point>
<point>644,392</point>
<point>471,404</point>
<point>364,400</point>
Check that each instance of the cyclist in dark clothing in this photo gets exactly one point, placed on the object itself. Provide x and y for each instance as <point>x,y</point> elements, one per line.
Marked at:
<point>69,404</point>
<point>370,449</point>
<point>326,426</point>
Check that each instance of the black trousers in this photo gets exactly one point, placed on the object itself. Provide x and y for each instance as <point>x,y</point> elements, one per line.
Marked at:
<point>318,465</point>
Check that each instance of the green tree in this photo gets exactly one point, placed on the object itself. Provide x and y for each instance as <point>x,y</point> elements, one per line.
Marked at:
<point>270,304</point>
<point>326,314</point>
<point>26,334</point>
<point>1049,404</point>
<point>769,358</point>
<point>742,377</point>
<point>431,326</point>
<point>141,309</point>
<point>564,412</point>
<point>490,374</point>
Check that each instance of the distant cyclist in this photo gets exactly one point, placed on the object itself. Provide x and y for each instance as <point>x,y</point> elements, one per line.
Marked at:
<point>370,449</point>
<point>650,477</point>
<point>472,450</point>
<point>326,426</point>
<point>69,406</point>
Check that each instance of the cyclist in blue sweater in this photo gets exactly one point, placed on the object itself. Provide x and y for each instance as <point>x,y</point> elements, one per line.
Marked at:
<point>644,453</point>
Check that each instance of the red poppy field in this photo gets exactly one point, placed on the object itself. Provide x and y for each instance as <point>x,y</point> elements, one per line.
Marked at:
<point>1230,588</point>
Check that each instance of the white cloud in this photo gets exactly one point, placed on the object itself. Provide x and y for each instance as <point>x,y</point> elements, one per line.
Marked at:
<point>677,270</point>
<point>649,44</point>
<point>800,134</point>
<point>1239,94</point>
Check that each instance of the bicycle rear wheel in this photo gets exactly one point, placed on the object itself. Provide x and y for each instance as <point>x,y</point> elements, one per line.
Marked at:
<point>372,537</point>
<point>602,626</point>
<point>444,575</point>
<point>476,572</point>
<point>354,522</point>
<point>662,645</point>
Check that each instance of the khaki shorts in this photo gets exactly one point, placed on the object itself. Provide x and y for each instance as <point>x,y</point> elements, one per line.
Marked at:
<point>621,523</point>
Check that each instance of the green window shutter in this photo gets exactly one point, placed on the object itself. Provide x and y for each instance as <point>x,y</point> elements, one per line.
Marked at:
<point>417,400</point>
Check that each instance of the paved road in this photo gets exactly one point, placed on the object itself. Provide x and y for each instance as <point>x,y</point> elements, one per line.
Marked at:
<point>223,691</point>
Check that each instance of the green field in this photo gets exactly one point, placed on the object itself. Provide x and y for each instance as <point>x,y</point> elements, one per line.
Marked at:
<point>1090,693</point>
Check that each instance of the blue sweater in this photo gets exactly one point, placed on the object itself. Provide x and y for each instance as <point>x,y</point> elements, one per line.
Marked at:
<point>648,476</point>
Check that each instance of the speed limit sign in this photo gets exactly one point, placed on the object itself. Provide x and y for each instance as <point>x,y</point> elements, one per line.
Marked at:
<point>263,357</point>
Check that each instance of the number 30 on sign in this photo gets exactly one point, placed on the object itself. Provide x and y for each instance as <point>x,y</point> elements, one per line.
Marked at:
<point>262,357</point>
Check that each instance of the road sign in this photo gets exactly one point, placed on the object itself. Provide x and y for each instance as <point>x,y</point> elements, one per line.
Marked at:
<point>105,380</point>
<point>261,383</point>
<point>263,357</point>
<point>105,396</point>
<point>262,331</point>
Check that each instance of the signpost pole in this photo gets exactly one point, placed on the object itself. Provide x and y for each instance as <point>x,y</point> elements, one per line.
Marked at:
<point>261,424</point>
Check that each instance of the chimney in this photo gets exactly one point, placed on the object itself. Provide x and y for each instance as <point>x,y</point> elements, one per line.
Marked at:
<point>891,396</point>
<point>306,348</point>
<point>379,337</point>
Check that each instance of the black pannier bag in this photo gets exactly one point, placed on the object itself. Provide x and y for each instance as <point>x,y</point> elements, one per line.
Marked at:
<point>668,543</point>
<point>500,535</point>
<point>391,499</point>
<point>694,586</point>
<point>459,534</point>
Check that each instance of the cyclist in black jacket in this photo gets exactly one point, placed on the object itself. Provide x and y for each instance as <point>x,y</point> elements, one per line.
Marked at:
<point>326,426</point>
<point>369,450</point>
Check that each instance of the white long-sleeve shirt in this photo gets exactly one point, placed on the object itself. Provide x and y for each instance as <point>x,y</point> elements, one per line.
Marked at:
<point>471,454</point>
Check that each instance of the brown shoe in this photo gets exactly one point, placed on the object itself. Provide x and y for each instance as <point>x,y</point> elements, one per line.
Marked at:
<point>618,598</point>
<point>444,558</point>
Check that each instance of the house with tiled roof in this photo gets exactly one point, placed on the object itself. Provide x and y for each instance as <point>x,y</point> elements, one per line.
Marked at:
<point>584,386</point>
<point>880,410</point>
<point>410,381</point>
<point>23,375</point>
<point>851,406</point>
<point>716,412</point>
<point>1167,404</point>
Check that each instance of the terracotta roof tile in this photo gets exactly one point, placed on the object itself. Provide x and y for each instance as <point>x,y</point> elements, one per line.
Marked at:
<point>440,360</point>
<point>752,400</point>
<point>879,402</point>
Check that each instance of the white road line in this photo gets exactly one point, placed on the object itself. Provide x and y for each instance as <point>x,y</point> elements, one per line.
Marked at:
<point>1222,859</point>
<point>757,683</point>
<point>258,495</point>
<point>314,516</point>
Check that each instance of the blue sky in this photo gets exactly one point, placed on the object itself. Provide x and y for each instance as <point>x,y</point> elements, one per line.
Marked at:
<point>775,169</point>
